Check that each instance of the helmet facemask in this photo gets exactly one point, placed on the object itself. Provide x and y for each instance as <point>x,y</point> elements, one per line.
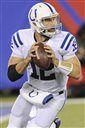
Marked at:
<point>51,28</point>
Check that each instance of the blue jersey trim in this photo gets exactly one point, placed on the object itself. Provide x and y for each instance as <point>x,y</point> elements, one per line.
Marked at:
<point>65,40</point>
<point>49,7</point>
<point>69,43</point>
<point>19,40</point>
<point>12,47</point>
<point>15,42</point>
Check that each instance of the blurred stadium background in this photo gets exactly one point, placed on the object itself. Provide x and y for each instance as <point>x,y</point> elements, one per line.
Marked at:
<point>13,16</point>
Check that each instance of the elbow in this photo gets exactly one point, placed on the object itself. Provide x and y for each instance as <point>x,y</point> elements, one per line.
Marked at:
<point>78,75</point>
<point>12,74</point>
<point>77,71</point>
<point>11,78</point>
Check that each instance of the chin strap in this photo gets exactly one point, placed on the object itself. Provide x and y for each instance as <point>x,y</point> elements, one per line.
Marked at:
<point>48,34</point>
<point>46,37</point>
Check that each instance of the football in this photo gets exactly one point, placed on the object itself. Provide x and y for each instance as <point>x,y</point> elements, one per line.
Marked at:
<point>42,59</point>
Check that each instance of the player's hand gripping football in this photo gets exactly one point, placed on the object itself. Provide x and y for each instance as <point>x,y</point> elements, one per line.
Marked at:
<point>51,54</point>
<point>32,52</point>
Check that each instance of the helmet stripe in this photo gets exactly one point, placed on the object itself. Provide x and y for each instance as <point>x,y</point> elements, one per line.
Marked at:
<point>49,7</point>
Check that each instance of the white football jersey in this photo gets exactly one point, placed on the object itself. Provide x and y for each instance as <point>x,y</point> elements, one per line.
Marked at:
<point>63,44</point>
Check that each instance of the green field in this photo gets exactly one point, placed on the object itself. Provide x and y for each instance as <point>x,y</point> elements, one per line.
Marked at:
<point>72,116</point>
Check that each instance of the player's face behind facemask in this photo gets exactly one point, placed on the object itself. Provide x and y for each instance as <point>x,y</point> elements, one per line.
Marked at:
<point>44,19</point>
<point>51,25</point>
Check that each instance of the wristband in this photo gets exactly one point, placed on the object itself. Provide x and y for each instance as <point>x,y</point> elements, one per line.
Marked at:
<point>13,75</point>
<point>66,69</point>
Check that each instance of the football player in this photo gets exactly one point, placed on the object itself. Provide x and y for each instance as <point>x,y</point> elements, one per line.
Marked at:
<point>45,89</point>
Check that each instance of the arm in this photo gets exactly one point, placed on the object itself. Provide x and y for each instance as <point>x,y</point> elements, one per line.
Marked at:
<point>21,64</point>
<point>17,65</point>
<point>71,67</point>
<point>16,68</point>
<point>76,66</point>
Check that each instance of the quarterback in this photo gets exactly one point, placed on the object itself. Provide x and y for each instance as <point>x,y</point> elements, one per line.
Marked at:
<point>45,89</point>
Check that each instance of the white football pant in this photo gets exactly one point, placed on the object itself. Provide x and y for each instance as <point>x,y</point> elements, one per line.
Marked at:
<point>42,118</point>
